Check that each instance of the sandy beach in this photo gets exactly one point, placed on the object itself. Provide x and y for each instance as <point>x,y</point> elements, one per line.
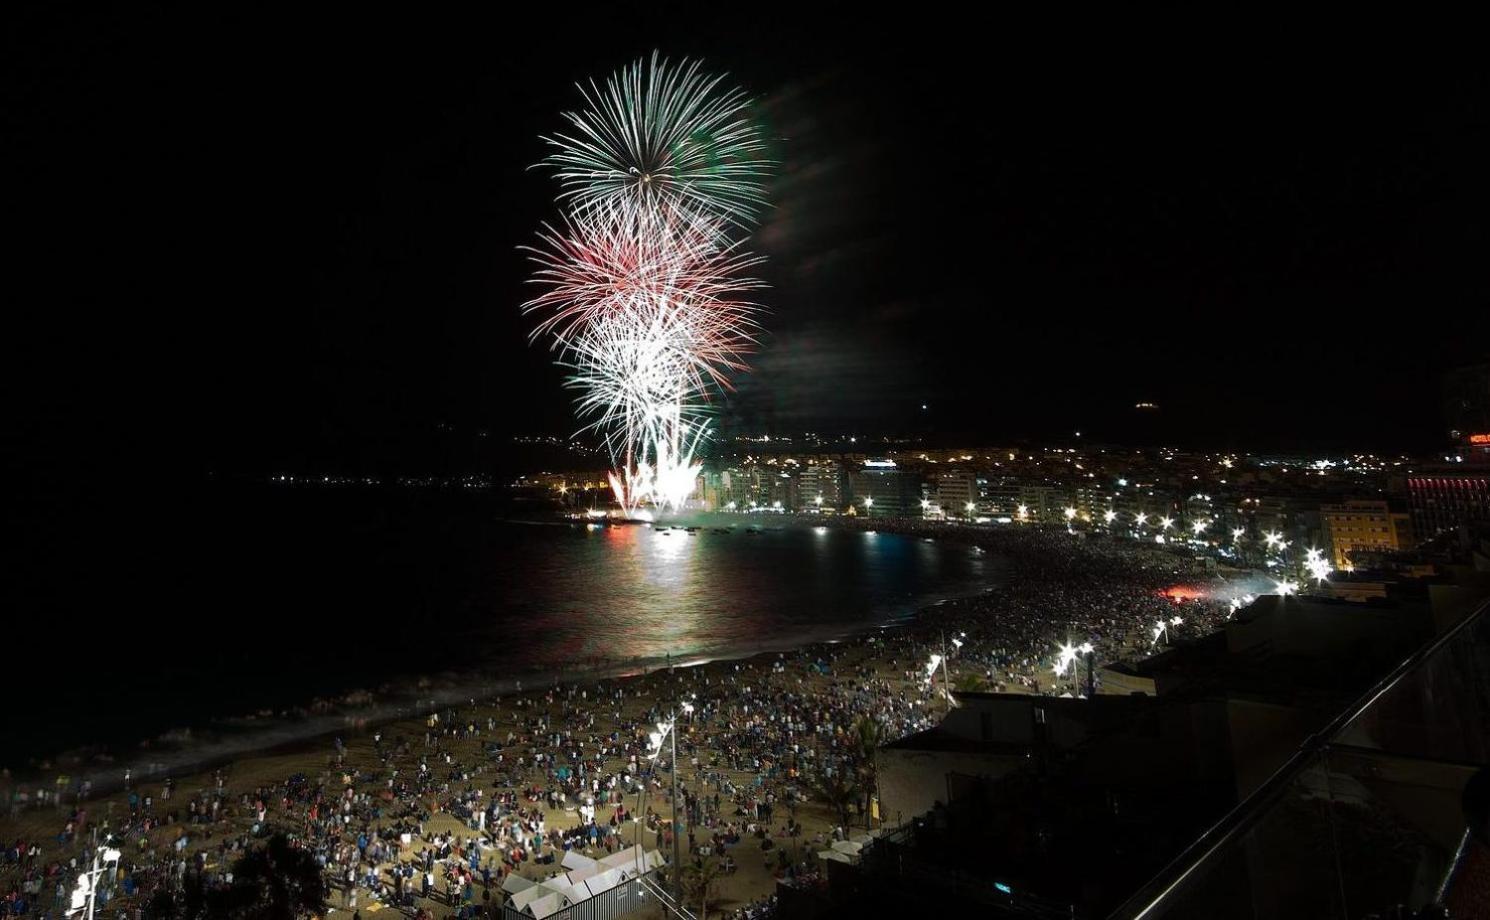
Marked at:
<point>532,771</point>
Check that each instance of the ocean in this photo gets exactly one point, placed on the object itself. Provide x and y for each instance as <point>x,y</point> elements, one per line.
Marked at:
<point>266,597</point>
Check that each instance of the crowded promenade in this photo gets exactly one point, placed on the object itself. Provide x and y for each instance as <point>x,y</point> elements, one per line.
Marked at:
<point>428,816</point>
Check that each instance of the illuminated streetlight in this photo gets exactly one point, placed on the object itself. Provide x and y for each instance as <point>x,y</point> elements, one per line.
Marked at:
<point>1166,522</point>
<point>1070,514</point>
<point>1198,527</point>
<point>1109,516</point>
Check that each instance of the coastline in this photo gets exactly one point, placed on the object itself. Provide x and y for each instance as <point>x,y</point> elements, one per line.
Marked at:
<point>187,750</point>
<point>878,673</point>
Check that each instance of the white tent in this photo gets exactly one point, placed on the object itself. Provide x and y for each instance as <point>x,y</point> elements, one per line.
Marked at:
<point>848,847</point>
<point>527,896</point>
<point>559,885</point>
<point>629,859</point>
<point>833,855</point>
<point>547,906</point>
<point>605,881</point>
<point>574,859</point>
<point>575,876</point>
<point>514,883</point>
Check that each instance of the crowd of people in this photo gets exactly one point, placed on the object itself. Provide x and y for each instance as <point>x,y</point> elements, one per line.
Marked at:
<point>430,817</point>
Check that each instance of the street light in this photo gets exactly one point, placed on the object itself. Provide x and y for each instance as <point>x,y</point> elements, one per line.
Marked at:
<point>85,894</point>
<point>655,741</point>
<point>1109,516</point>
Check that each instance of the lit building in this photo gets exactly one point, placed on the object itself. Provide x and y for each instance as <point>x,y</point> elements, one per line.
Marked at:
<point>1364,526</point>
<point>1001,497</point>
<point>1442,500</point>
<point>956,493</point>
<point>820,486</point>
<point>1466,392</point>
<point>1045,503</point>
<point>881,489</point>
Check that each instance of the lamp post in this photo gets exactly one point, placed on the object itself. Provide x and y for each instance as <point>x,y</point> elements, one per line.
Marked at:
<point>85,895</point>
<point>668,732</point>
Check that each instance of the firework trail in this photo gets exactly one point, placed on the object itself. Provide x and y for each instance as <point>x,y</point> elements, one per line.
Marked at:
<point>646,296</point>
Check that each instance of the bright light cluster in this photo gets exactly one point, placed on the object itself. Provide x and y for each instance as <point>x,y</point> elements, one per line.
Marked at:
<point>646,297</point>
<point>1318,566</point>
<point>1068,655</point>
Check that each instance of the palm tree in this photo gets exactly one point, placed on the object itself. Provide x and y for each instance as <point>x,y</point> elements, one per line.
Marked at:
<point>869,735</point>
<point>837,787</point>
<point>698,881</point>
<point>970,683</point>
<point>278,881</point>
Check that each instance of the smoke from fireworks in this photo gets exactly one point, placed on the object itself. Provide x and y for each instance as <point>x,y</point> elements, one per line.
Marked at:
<point>645,293</point>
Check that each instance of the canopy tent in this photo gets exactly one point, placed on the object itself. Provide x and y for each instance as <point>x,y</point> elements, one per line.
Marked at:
<point>833,856</point>
<point>603,882</point>
<point>514,883</point>
<point>547,906</point>
<point>583,879</point>
<point>848,847</point>
<point>528,895</point>
<point>575,876</point>
<point>574,859</point>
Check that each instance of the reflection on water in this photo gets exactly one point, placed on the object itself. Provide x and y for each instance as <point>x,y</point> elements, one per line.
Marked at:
<point>624,592</point>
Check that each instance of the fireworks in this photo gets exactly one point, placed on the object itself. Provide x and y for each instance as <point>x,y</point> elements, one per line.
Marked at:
<point>646,296</point>
<point>662,140</point>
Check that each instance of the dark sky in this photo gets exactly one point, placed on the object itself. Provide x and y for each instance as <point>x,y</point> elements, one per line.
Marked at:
<point>291,242</point>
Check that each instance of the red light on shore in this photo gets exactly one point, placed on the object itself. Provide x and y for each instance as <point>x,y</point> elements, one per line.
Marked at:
<point>1480,439</point>
<point>1179,593</point>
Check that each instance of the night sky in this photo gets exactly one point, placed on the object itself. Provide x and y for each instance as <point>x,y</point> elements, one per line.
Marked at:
<point>257,245</point>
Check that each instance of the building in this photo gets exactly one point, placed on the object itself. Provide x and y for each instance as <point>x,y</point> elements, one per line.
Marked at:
<point>956,493</point>
<point>1364,526</point>
<point>883,490</point>
<point>1044,504</point>
<point>1466,397</point>
<point>820,486</point>
<point>1448,498</point>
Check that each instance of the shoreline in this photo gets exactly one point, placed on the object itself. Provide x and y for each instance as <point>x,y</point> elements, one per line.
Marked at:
<point>186,750</point>
<point>760,720</point>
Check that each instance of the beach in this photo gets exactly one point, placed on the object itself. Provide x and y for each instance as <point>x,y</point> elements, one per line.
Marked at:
<point>462,792</point>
